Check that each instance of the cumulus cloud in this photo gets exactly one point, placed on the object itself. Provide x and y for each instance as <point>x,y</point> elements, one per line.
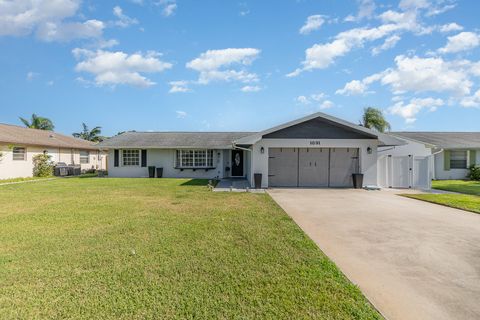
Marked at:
<point>450,27</point>
<point>327,104</point>
<point>313,23</point>
<point>220,65</point>
<point>46,18</point>
<point>113,68</point>
<point>409,110</point>
<point>251,88</point>
<point>179,86</point>
<point>366,9</point>
<point>123,20</point>
<point>357,87</point>
<point>389,43</point>
<point>416,74</point>
<point>461,42</point>
<point>471,101</point>
<point>32,75</point>
<point>318,99</point>
<point>168,7</point>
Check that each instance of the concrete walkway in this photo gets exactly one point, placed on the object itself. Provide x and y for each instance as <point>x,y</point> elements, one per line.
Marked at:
<point>412,259</point>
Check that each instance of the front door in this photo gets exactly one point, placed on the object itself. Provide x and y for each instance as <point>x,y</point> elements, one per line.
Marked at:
<point>237,163</point>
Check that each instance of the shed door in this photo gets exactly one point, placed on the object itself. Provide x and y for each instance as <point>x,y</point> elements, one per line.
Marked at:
<point>420,173</point>
<point>313,167</point>
<point>283,167</point>
<point>401,172</point>
<point>343,163</point>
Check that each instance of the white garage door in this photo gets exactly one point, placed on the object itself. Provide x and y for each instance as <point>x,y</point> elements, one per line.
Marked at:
<point>312,167</point>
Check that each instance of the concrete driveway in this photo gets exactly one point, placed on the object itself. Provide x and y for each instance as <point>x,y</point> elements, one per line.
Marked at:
<point>412,259</point>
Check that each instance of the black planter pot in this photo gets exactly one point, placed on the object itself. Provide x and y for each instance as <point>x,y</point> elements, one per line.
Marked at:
<point>257,178</point>
<point>159,172</point>
<point>151,172</point>
<point>357,180</point>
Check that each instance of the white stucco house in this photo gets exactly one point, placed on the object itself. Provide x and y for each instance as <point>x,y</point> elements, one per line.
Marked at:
<point>318,150</point>
<point>18,146</point>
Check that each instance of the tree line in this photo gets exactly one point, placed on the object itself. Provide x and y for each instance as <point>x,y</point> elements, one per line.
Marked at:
<point>42,123</point>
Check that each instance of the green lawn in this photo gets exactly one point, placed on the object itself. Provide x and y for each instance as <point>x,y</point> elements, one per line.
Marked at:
<point>459,201</point>
<point>161,249</point>
<point>461,186</point>
<point>22,179</point>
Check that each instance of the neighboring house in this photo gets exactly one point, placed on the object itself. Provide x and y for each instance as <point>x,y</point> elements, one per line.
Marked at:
<point>315,151</point>
<point>18,146</point>
<point>453,152</point>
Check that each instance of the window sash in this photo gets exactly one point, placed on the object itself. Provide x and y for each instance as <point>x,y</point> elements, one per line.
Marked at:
<point>131,157</point>
<point>84,157</point>
<point>195,158</point>
<point>458,159</point>
<point>19,154</point>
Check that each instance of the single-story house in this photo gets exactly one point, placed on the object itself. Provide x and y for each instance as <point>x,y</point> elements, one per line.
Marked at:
<point>318,150</point>
<point>18,146</point>
<point>453,152</point>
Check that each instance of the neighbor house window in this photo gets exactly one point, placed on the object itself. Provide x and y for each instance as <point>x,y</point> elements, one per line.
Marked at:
<point>131,157</point>
<point>19,154</point>
<point>194,159</point>
<point>84,157</point>
<point>458,159</point>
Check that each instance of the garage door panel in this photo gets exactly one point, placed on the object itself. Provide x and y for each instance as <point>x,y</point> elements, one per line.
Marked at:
<point>283,167</point>
<point>343,163</point>
<point>313,167</point>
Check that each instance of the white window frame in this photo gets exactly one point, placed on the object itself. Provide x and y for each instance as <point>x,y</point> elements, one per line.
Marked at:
<point>87,157</point>
<point>200,159</point>
<point>16,154</point>
<point>131,163</point>
<point>452,159</point>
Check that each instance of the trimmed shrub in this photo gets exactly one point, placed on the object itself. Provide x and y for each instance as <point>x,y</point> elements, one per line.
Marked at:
<point>42,166</point>
<point>474,173</point>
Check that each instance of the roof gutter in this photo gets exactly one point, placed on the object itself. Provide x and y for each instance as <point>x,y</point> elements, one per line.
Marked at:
<point>241,148</point>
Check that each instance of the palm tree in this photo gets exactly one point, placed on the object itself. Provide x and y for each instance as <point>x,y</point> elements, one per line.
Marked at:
<point>37,122</point>
<point>373,119</point>
<point>89,135</point>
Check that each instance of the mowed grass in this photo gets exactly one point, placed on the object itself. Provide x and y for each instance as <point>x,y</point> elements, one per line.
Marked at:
<point>23,179</point>
<point>459,201</point>
<point>161,249</point>
<point>461,186</point>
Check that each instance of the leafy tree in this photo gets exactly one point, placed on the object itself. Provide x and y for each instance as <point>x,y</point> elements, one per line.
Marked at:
<point>89,135</point>
<point>37,122</point>
<point>373,119</point>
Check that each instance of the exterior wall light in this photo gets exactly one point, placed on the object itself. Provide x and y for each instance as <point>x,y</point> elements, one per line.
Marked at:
<point>262,150</point>
<point>369,150</point>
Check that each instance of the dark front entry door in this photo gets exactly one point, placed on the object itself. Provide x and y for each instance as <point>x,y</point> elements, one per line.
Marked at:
<point>237,163</point>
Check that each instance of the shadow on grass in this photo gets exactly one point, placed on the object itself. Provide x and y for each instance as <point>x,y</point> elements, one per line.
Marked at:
<point>195,182</point>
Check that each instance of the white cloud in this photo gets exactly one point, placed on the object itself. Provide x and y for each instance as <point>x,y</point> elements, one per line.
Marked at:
<point>450,27</point>
<point>366,9</point>
<point>181,114</point>
<point>471,101</point>
<point>46,18</point>
<point>389,43</point>
<point>218,65</point>
<point>354,87</point>
<point>327,104</point>
<point>415,74</point>
<point>414,4</point>
<point>32,75</point>
<point>461,42</point>
<point>410,110</point>
<point>179,86</point>
<point>123,20</point>
<point>313,23</point>
<point>53,31</point>
<point>112,68</point>
<point>168,7</point>
<point>302,100</point>
<point>251,88</point>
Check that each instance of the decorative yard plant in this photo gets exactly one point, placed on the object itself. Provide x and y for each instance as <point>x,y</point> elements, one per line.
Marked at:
<point>42,166</point>
<point>474,173</point>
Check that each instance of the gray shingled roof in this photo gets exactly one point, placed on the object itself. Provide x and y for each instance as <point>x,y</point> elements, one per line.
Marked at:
<point>17,135</point>
<point>211,140</point>
<point>445,140</point>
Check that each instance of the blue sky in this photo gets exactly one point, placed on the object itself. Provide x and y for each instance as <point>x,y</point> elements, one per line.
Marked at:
<point>239,65</point>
